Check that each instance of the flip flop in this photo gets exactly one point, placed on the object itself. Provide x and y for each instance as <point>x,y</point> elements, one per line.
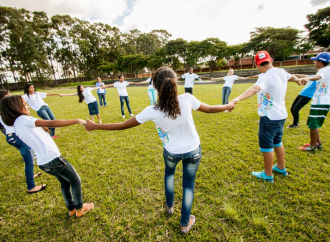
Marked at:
<point>36,175</point>
<point>43,186</point>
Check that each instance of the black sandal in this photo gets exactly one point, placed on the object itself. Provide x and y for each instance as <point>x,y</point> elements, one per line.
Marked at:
<point>43,186</point>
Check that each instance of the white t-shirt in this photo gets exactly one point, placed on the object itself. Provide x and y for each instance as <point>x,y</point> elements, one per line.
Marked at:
<point>189,79</point>
<point>35,100</point>
<point>271,97</point>
<point>121,88</point>
<point>151,85</point>
<point>179,135</point>
<point>88,96</point>
<point>229,80</point>
<point>37,138</point>
<point>101,90</point>
<point>322,94</point>
<point>9,129</point>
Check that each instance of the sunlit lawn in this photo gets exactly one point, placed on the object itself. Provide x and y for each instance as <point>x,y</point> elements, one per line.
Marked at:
<point>122,174</point>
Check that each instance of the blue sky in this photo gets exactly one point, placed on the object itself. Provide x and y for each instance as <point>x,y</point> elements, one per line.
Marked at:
<point>229,20</point>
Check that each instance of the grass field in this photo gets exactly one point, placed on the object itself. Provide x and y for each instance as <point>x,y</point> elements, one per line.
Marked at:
<point>122,174</point>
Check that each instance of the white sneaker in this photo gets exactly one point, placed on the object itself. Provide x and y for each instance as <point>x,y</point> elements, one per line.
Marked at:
<point>132,115</point>
<point>123,116</point>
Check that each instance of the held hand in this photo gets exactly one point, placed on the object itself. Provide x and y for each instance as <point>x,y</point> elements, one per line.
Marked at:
<point>231,106</point>
<point>89,126</point>
<point>304,81</point>
<point>46,129</point>
<point>61,95</point>
<point>234,101</point>
<point>248,77</point>
<point>211,79</point>
<point>82,122</point>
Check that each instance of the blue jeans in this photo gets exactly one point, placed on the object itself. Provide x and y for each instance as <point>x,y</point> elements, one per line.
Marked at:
<point>46,114</point>
<point>152,93</point>
<point>122,98</point>
<point>225,94</point>
<point>69,179</point>
<point>270,134</point>
<point>102,99</point>
<point>27,155</point>
<point>190,163</point>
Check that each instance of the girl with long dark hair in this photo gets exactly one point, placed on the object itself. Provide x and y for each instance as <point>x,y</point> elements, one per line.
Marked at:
<point>175,126</point>
<point>36,102</point>
<point>15,112</point>
<point>85,94</point>
<point>26,152</point>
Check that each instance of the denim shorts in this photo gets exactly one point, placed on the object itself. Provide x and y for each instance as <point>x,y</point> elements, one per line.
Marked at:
<point>270,134</point>
<point>93,108</point>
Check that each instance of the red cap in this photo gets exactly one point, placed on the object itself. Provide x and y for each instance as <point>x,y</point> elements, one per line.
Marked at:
<point>262,56</point>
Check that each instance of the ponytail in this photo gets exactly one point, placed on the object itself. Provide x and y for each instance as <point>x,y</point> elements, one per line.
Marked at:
<point>165,83</point>
<point>80,95</point>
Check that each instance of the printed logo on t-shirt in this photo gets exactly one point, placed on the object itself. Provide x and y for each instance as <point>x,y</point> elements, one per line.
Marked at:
<point>162,135</point>
<point>265,103</point>
<point>321,89</point>
<point>262,55</point>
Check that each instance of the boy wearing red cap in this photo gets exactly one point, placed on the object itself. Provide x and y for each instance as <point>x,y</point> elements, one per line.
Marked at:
<point>271,89</point>
<point>321,101</point>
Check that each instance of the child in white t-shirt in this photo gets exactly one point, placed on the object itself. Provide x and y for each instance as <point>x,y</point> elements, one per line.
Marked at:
<point>36,102</point>
<point>175,126</point>
<point>152,92</point>
<point>123,95</point>
<point>229,82</point>
<point>85,94</point>
<point>271,89</point>
<point>190,78</point>
<point>15,112</point>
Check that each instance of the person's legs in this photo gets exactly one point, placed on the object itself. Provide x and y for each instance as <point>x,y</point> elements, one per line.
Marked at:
<point>28,158</point>
<point>280,154</point>
<point>127,104</point>
<point>121,98</point>
<point>297,105</point>
<point>99,118</point>
<point>171,161</point>
<point>152,93</point>
<point>43,113</point>
<point>188,90</point>
<point>224,90</point>
<point>100,99</point>
<point>268,161</point>
<point>315,137</point>
<point>104,101</point>
<point>92,117</point>
<point>228,91</point>
<point>68,177</point>
<point>190,163</point>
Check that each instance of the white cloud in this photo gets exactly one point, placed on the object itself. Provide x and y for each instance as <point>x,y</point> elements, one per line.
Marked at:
<point>103,11</point>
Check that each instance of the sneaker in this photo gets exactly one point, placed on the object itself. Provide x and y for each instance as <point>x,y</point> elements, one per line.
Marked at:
<point>318,146</point>
<point>55,136</point>
<point>105,105</point>
<point>132,115</point>
<point>123,116</point>
<point>186,229</point>
<point>72,212</point>
<point>170,210</point>
<point>308,148</point>
<point>282,172</point>
<point>85,208</point>
<point>293,126</point>
<point>262,175</point>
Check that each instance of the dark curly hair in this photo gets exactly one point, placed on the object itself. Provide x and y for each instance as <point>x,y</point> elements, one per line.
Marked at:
<point>164,80</point>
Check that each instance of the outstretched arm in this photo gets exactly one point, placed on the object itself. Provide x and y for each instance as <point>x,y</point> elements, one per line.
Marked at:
<point>295,79</point>
<point>54,94</point>
<point>311,78</point>
<point>205,108</point>
<point>134,83</point>
<point>110,85</point>
<point>130,123</point>
<point>217,79</point>
<point>58,123</point>
<point>248,93</point>
<point>204,78</point>
<point>300,75</point>
<point>252,77</point>
<point>70,94</point>
<point>241,78</point>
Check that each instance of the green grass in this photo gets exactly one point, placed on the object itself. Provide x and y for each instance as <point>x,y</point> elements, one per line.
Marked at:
<point>122,174</point>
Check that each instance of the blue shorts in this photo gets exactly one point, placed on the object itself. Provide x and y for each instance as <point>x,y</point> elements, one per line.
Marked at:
<point>93,108</point>
<point>270,134</point>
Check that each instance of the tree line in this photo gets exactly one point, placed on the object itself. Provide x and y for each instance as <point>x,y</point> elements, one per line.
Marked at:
<point>34,47</point>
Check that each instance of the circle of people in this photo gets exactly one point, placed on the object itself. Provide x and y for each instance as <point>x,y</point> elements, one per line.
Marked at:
<point>172,115</point>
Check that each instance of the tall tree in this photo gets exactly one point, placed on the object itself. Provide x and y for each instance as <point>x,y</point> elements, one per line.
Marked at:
<point>319,27</point>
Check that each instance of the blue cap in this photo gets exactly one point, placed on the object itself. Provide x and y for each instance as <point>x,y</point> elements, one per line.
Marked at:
<point>324,56</point>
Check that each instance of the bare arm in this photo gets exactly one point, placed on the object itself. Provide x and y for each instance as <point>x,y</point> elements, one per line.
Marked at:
<point>252,77</point>
<point>217,79</point>
<point>142,82</point>
<point>54,94</point>
<point>134,83</point>
<point>130,123</point>
<point>295,79</point>
<point>241,78</point>
<point>248,93</point>
<point>205,108</point>
<point>300,75</point>
<point>110,85</point>
<point>70,94</point>
<point>204,78</point>
<point>311,78</point>
<point>58,123</point>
